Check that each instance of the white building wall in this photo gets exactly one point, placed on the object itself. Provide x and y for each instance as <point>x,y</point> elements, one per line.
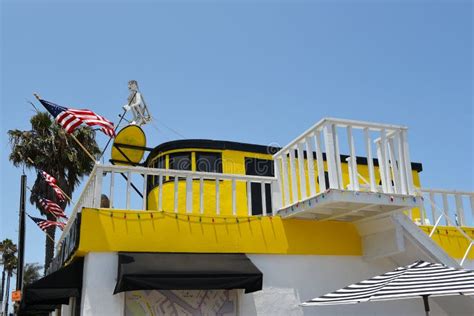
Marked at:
<point>98,283</point>
<point>290,280</point>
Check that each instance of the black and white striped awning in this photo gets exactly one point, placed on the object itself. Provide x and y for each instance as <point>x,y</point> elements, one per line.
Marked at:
<point>420,279</point>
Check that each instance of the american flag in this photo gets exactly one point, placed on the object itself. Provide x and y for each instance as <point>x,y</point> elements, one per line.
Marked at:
<point>69,118</point>
<point>52,182</point>
<point>44,224</point>
<point>53,208</point>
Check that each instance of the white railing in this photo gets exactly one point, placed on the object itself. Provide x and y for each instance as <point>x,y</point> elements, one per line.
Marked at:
<point>324,141</point>
<point>457,210</point>
<point>121,197</point>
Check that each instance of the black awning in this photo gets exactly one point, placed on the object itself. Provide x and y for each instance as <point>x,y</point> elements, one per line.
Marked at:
<point>186,271</point>
<point>55,288</point>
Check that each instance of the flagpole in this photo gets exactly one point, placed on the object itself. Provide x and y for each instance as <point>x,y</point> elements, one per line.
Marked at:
<point>67,196</point>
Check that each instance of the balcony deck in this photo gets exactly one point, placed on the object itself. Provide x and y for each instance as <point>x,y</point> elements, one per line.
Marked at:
<point>344,205</point>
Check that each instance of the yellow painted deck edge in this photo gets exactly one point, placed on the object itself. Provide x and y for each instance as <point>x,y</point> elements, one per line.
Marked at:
<point>162,232</point>
<point>451,240</point>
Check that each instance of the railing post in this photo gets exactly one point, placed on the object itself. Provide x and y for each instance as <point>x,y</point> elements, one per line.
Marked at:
<point>402,164</point>
<point>97,188</point>
<point>330,156</point>
<point>352,161</point>
<point>218,210</point>
<point>410,186</point>
<point>189,194</point>
<point>386,166</point>
<point>309,154</point>
<point>446,206</point>
<point>320,162</point>
<point>264,199</point>
<point>381,166</point>
<point>370,161</point>
<point>249,198</point>
<point>433,206</point>
<point>145,192</point>
<point>459,209</point>
<point>201,195</point>
<point>284,174</point>
<point>337,155</point>
<point>394,165</point>
<point>234,211</point>
<point>294,184</point>
<point>176,189</point>
<point>302,173</point>
<point>112,189</point>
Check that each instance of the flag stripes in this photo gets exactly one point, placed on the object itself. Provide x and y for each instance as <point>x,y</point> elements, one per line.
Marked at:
<point>53,208</point>
<point>44,224</point>
<point>49,179</point>
<point>70,119</point>
<point>418,279</point>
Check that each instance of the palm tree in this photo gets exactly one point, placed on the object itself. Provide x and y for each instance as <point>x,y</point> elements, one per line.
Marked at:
<point>31,273</point>
<point>9,261</point>
<point>48,147</point>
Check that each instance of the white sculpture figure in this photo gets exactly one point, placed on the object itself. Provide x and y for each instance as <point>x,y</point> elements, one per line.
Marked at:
<point>137,104</point>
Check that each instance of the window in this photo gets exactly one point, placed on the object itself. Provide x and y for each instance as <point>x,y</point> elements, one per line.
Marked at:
<point>180,161</point>
<point>259,167</point>
<point>209,162</point>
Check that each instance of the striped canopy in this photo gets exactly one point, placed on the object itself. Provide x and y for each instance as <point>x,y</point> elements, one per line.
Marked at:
<point>417,279</point>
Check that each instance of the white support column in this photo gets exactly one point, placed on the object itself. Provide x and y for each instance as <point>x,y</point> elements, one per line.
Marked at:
<point>302,173</point>
<point>401,163</point>
<point>294,184</point>
<point>129,185</point>
<point>320,162</point>
<point>175,198</point>
<point>201,195</point>
<point>160,192</point>
<point>264,199</point>
<point>277,198</point>
<point>370,161</point>
<point>97,189</point>
<point>310,160</point>
<point>98,283</point>
<point>353,161</point>
<point>112,189</point>
<point>459,209</point>
<point>406,151</point>
<point>284,174</point>
<point>337,155</point>
<point>386,166</point>
<point>189,194</point>
<point>393,165</point>
<point>381,167</point>
<point>330,157</point>
<point>446,207</point>
<point>471,200</point>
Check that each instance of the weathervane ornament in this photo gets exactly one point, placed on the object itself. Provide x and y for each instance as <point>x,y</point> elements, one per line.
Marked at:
<point>136,103</point>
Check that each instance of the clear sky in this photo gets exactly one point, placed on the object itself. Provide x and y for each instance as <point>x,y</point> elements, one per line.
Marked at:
<point>250,71</point>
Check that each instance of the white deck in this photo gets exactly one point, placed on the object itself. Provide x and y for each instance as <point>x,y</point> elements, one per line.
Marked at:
<point>344,205</point>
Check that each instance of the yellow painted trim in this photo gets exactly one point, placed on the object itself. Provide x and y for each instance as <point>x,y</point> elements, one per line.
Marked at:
<point>139,231</point>
<point>451,240</point>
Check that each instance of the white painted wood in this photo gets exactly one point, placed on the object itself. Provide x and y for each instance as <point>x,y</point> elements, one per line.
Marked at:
<point>284,174</point>
<point>337,155</point>
<point>201,195</point>
<point>264,199</point>
<point>144,192</point>
<point>330,156</point>
<point>189,194</point>
<point>433,207</point>
<point>129,182</point>
<point>401,163</point>
<point>408,170</point>
<point>218,195</point>
<point>394,165</point>
<point>160,192</point>
<point>320,162</point>
<point>301,169</point>
<point>234,211</point>
<point>445,206</point>
<point>176,194</point>
<point>277,197</point>
<point>97,189</point>
<point>471,200</point>
<point>249,198</point>
<point>310,160</point>
<point>381,167</point>
<point>386,166</point>
<point>459,209</point>
<point>353,161</point>
<point>294,184</point>
<point>112,189</point>
<point>370,161</point>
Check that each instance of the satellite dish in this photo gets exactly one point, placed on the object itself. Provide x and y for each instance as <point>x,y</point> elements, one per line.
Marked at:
<point>129,146</point>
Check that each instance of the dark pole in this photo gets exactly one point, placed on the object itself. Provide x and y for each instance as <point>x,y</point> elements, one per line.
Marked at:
<point>21,236</point>
<point>427,305</point>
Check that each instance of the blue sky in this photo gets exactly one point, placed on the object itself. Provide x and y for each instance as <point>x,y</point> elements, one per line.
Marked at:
<point>259,72</point>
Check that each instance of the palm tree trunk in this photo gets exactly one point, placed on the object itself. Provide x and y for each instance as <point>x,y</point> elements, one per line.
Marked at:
<point>7,291</point>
